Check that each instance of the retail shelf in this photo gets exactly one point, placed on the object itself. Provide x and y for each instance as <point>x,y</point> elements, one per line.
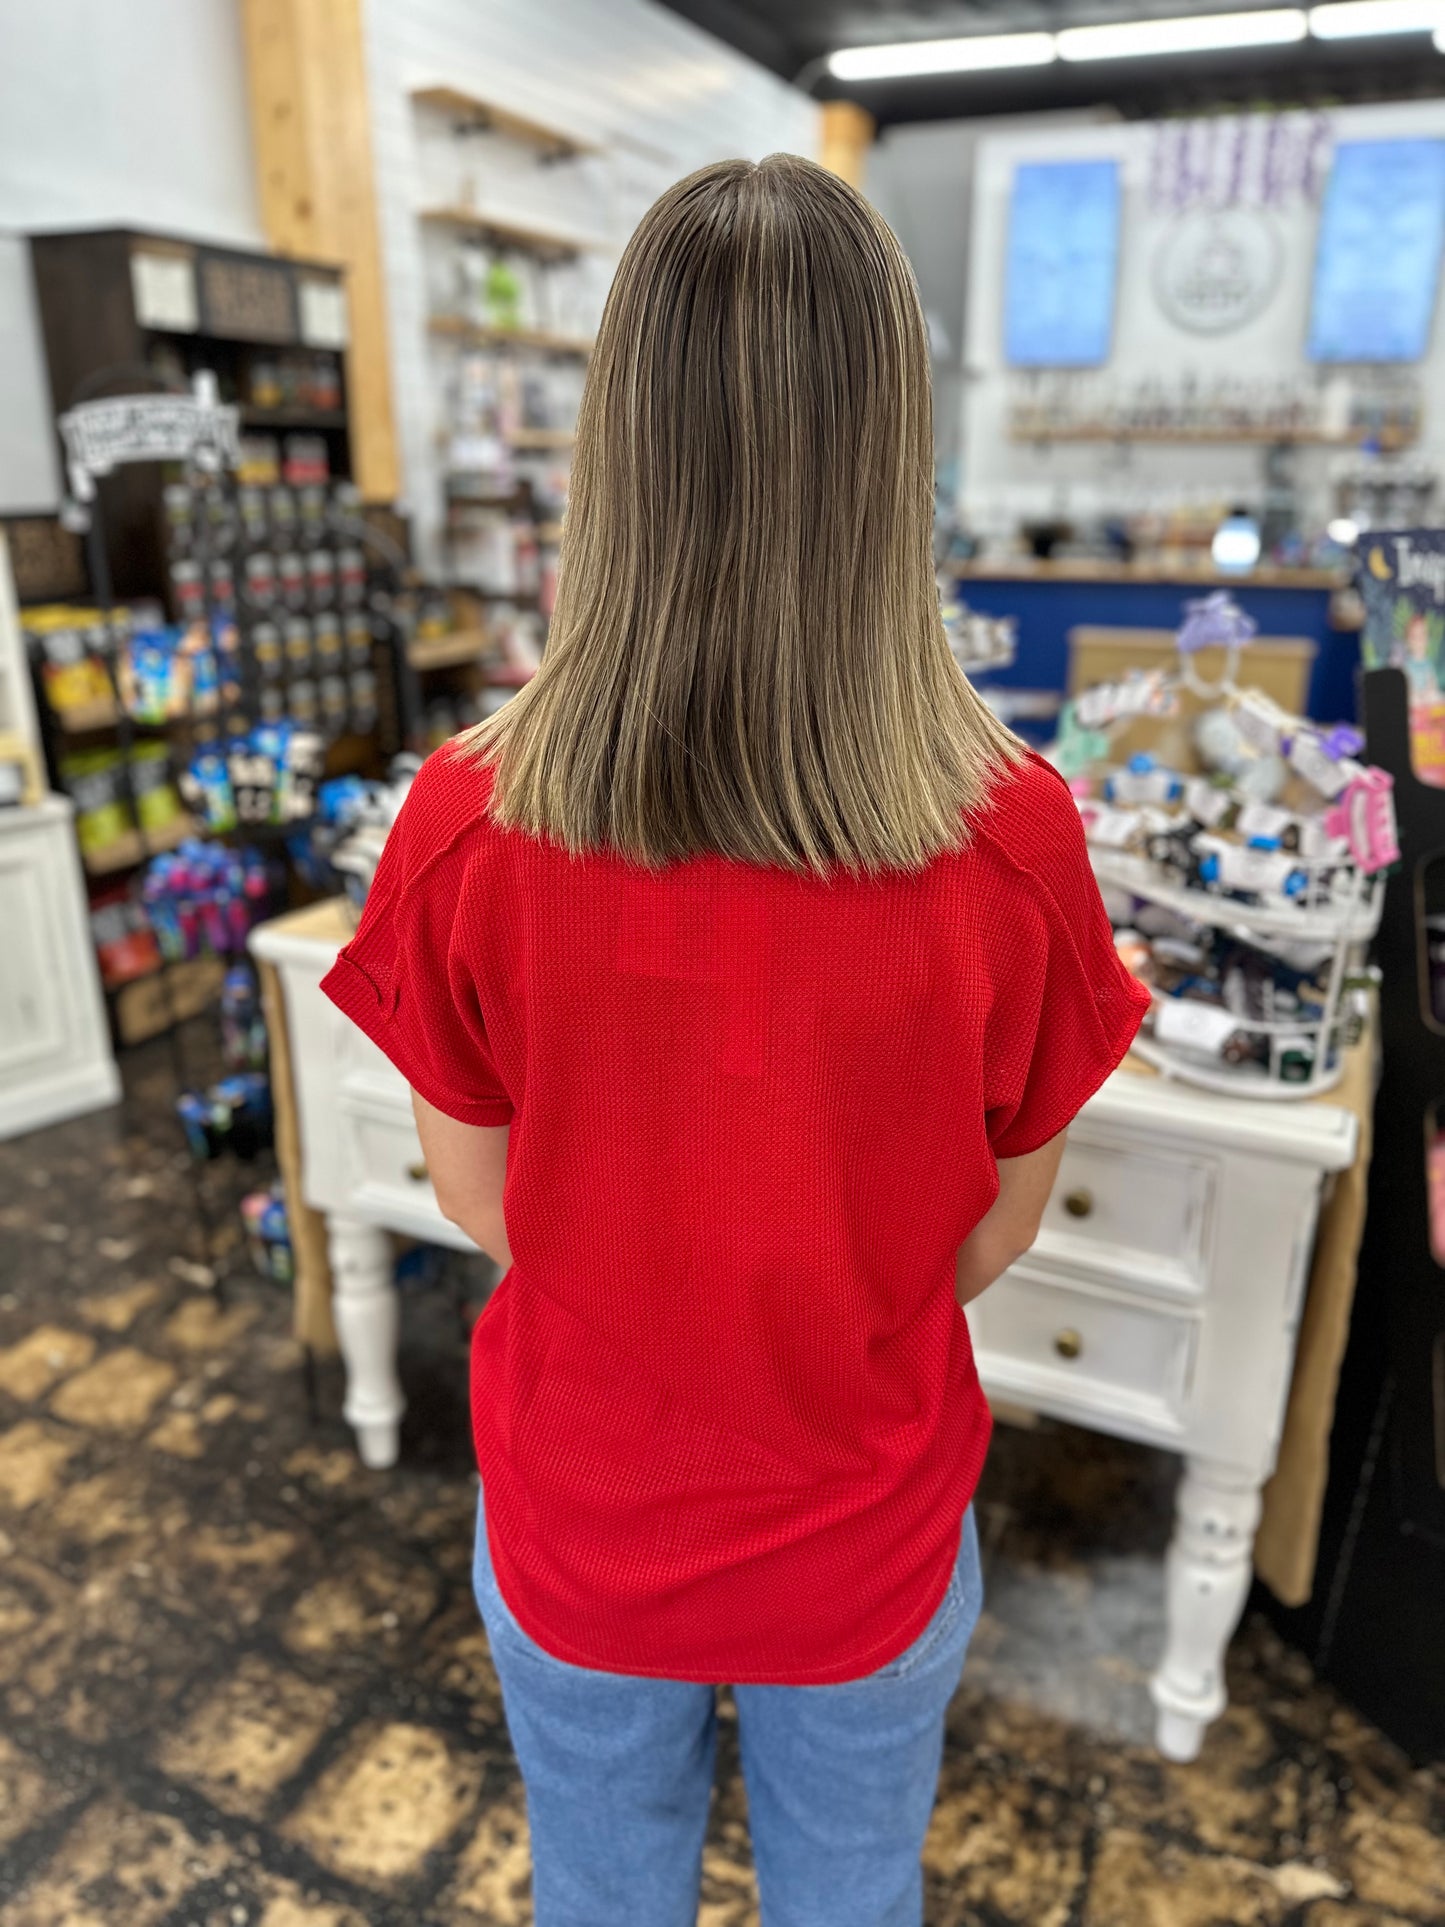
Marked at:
<point>1387,438</point>
<point>483,594</point>
<point>446,652</point>
<point>535,438</point>
<point>456,327</point>
<point>83,719</point>
<point>557,141</point>
<point>79,719</point>
<point>1184,574</point>
<point>128,850</point>
<point>318,418</point>
<point>1353,917</point>
<point>549,244</point>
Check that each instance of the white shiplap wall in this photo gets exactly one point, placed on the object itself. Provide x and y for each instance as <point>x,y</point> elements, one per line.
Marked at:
<point>663,95</point>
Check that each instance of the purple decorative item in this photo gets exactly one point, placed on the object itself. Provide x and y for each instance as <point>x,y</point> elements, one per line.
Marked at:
<point>1341,741</point>
<point>1214,621</point>
<point>1318,152</point>
<point>1236,165</point>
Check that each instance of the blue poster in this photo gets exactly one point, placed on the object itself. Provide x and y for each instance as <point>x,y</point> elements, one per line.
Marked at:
<point>1063,257</point>
<point>1377,264</point>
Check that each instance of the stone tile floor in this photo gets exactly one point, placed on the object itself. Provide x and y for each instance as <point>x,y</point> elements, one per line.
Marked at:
<point>242,1680</point>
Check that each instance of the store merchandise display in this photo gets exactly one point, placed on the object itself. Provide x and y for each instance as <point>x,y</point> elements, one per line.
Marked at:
<point>977,642</point>
<point>268,1233</point>
<point>233,1115</point>
<point>266,779</point>
<point>1382,407</point>
<point>1242,890</point>
<point>286,565</point>
<point>1400,575</point>
<point>353,822</point>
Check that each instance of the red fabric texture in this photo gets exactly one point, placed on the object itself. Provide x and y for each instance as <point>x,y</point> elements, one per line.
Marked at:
<point>724,1402</point>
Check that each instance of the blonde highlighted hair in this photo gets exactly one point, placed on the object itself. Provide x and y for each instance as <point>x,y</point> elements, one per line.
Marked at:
<point>747,655</point>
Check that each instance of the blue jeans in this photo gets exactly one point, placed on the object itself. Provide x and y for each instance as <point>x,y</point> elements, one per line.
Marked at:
<point>840,1779</point>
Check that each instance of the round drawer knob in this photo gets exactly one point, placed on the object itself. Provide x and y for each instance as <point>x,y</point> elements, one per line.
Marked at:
<point>1079,1203</point>
<point>1068,1344</point>
<point>417,1173</point>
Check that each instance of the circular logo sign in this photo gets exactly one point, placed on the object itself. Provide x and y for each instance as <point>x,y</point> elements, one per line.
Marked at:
<point>1216,270</point>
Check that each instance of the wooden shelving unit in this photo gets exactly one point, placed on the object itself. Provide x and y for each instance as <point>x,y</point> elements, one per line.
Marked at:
<point>454,215</point>
<point>534,439</point>
<point>448,652</point>
<point>548,244</point>
<point>1391,439</point>
<point>129,851</point>
<point>299,419</point>
<point>475,334</point>
<point>471,110</point>
<point>1179,572</point>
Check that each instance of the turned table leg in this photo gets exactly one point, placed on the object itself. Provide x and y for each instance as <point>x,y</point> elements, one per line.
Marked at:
<point>364,1306</point>
<point>1207,1578</point>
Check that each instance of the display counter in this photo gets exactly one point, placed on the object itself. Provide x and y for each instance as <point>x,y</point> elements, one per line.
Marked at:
<point>1049,598</point>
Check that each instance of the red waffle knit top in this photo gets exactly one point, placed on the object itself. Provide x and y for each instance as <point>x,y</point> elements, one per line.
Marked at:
<point>724,1401</point>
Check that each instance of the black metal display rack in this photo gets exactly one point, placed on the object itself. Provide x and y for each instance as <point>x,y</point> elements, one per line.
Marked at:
<point>1375,1625</point>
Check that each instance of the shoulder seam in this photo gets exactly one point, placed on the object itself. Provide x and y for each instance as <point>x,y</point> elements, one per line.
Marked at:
<point>458,836</point>
<point>1020,867</point>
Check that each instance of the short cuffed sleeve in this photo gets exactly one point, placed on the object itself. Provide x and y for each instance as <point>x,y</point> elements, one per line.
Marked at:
<point>404,978</point>
<point>1065,1009</point>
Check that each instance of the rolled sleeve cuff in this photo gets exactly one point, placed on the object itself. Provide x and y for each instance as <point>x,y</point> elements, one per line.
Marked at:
<point>356,996</point>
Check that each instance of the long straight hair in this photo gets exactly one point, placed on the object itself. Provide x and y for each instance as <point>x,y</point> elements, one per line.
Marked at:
<point>747,654</point>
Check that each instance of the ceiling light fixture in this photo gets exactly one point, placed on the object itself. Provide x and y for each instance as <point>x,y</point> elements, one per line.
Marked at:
<point>1364,19</point>
<point>974,53</point>
<point>1199,33</point>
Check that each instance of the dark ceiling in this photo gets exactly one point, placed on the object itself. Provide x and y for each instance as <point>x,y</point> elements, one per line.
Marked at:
<point>793,36</point>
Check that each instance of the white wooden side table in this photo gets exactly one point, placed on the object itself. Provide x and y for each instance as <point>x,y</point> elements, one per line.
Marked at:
<point>1160,1302</point>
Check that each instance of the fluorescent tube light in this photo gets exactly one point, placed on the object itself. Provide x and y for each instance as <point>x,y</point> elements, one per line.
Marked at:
<point>1360,19</point>
<point>1199,33</point>
<point>974,53</point>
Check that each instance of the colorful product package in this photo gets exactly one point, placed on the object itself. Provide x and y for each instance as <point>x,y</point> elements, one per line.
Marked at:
<point>125,944</point>
<point>157,803</point>
<point>94,782</point>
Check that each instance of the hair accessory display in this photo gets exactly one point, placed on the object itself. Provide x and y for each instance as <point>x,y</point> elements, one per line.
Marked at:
<point>1242,894</point>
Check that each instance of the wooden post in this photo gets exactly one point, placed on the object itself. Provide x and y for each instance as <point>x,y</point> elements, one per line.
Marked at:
<point>306,65</point>
<point>848,131</point>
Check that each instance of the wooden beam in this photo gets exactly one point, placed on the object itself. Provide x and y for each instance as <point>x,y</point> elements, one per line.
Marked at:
<point>311,128</point>
<point>847,134</point>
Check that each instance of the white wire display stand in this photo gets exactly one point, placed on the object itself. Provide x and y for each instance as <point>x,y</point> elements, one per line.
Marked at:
<point>1312,929</point>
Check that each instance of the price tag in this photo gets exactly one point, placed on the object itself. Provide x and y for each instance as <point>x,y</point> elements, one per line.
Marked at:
<point>1263,819</point>
<point>1206,802</point>
<point>1259,722</point>
<point>1112,829</point>
<point>1196,1026</point>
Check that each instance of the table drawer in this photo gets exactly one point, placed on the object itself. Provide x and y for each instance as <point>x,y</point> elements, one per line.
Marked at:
<point>1128,1209</point>
<point>360,1063</point>
<point>384,1161</point>
<point>1089,1351</point>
